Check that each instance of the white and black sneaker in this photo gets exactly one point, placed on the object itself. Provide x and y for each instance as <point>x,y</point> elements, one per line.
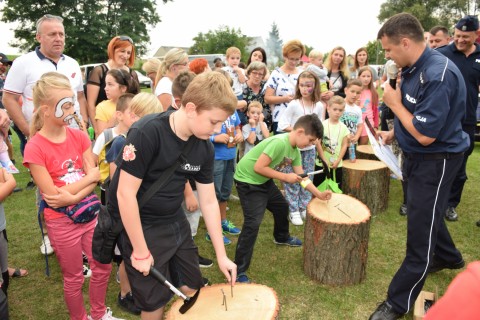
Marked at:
<point>204,262</point>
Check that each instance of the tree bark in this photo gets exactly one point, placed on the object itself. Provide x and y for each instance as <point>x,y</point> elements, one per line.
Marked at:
<point>365,152</point>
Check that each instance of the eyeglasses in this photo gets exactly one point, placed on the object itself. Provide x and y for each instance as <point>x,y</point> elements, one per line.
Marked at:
<point>125,38</point>
<point>257,74</point>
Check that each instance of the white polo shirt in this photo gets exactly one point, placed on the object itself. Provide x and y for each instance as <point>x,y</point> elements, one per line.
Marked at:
<point>27,69</point>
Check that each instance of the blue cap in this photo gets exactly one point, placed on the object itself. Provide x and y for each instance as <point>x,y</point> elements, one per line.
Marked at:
<point>467,23</point>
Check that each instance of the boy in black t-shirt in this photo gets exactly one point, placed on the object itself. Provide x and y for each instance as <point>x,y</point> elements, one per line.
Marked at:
<point>159,234</point>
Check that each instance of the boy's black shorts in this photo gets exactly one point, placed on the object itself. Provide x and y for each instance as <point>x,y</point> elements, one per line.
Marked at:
<point>176,257</point>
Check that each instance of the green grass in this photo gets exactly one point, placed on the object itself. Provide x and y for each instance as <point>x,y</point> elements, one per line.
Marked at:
<point>39,297</point>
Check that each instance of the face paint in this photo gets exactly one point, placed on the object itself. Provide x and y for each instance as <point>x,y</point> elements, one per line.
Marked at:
<point>61,103</point>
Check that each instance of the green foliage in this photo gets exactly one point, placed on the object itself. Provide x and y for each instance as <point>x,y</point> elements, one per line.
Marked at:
<point>89,24</point>
<point>274,47</point>
<point>430,12</point>
<point>375,53</point>
<point>218,41</point>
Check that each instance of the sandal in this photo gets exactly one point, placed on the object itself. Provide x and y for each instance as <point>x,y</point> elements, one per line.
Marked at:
<point>17,272</point>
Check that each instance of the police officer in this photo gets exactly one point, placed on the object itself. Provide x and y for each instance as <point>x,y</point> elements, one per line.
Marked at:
<point>465,53</point>
<point>429,104</point>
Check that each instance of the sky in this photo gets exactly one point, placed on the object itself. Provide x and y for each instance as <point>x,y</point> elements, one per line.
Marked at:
<point>322,25</point>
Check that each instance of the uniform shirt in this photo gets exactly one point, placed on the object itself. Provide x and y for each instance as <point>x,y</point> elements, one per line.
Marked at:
<point>433,90</point>
<point>278,149</point>
<point>27,69</point>
<point>151,148</point>
<point>470,69</point>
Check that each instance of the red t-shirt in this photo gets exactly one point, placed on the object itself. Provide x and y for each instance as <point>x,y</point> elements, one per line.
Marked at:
<point>63,161</point>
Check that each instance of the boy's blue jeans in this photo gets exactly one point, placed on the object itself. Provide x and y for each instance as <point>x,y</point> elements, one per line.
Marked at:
<point>254,200</point>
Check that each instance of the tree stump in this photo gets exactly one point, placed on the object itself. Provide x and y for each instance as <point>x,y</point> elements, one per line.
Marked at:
<point>335,248</point>
<point>368,181</point>
<point>249,302</point>
<point>365,151</point>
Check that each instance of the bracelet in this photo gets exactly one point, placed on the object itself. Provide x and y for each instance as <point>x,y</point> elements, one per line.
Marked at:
<point>305,183</point>
<point>253,129</point>
<point>148,256</point>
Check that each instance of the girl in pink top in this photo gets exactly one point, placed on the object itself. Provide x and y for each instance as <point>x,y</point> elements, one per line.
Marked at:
<point>61,162</point>
<point>368,101</point>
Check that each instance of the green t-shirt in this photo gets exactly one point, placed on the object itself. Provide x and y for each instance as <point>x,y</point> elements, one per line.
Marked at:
<point>333,135</point>
<point>277,148</point>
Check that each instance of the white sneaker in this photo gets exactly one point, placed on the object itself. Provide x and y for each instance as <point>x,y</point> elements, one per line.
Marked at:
<point>87,272</point>
<point>295,218</point>
<point>46,248</point>
<point>106,316</point>
<point>303,214</point>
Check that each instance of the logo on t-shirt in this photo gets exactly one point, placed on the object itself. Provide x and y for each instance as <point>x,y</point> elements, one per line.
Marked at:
<point>190,167</point>
<point>73,174</point>
<point>286,162</point>
<point>129,152</point>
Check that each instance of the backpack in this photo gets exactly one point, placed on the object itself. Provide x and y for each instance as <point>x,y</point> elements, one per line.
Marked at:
<point>103,164</point>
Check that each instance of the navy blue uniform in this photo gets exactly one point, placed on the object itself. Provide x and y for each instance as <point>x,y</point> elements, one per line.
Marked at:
<point>470,69</point>
<point>433,90</point>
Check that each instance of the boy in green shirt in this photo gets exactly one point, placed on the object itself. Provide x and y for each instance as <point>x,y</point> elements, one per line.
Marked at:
<point>257,191</point>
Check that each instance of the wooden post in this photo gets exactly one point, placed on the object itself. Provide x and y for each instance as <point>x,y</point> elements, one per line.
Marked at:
<point>365,151</point>
<point>368,181</point>
<point>335,249</point>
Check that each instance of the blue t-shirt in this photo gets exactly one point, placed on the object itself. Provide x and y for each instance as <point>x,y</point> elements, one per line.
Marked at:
<point>470,69</point>
<point>222,152</point>
<point>433,90</point>
<point>116,147</point>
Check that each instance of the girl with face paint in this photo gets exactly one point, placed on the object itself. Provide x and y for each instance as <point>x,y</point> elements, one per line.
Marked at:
<point>306,101</point>
<point>61,162</point>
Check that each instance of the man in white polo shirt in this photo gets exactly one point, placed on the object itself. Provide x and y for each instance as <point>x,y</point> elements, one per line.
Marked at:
<point>28,68</point>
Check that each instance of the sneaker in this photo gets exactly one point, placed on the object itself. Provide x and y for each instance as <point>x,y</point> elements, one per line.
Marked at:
<point>12,169</point>
<point>107,316</point>
<point>233,198</point>
<point>230,228</point>
<point>127,304</point>
<point>30,185</point>
<point>403,209</point>
<point>385,312</point>
<point>438,265</point>
<point>451,214</point>
<point>87,272</point>
<point>295,218</point>
<point>204,262</point>
<point>205,281</point>
<point>243,278</point>
<point>292,242</point>
<point>46,248</point>
<point>226,241</point>
<point>303,214</point>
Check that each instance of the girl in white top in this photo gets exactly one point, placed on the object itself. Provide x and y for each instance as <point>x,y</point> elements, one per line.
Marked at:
<point>307,101</point>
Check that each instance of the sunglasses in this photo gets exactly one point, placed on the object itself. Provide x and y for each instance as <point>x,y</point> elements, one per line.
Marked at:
<point>125,38</point>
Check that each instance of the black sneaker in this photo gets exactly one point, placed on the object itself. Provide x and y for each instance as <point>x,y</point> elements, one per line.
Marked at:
<point>127,304</point>
<point>438,265</point>
<point>204,262</point>
<point>403,209</point>
<point>30,185</point>
<point>205,281</point>
<point>451,214</point>
<point>385,312</point>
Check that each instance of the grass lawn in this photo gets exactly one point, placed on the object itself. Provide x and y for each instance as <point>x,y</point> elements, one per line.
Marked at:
<point>40,297</point>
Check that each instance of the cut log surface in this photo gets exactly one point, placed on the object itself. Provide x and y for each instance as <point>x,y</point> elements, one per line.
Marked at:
<point>365,151</point>
<point>336,240</point>
<point>249,302</point>
<point>368,181</point>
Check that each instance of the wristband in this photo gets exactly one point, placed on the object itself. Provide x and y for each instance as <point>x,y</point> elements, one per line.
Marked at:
<point>148,256</point>
<point>305,183</point>
<point>253,129</point>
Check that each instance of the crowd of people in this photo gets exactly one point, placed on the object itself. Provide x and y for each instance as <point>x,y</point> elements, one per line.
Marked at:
<point>235,126</point>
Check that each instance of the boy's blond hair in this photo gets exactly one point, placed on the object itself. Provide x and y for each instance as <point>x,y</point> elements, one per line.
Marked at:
<point>315,54</point>
<point>42,90</point>
<point>255,104</point>
<point>145,103</point>
<point>232,51</point>
<point>210,90</point>
<point>336,100</point>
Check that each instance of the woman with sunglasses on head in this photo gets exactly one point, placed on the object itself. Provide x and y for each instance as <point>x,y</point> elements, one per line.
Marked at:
<point>174,61</point>
<point>121,55</point>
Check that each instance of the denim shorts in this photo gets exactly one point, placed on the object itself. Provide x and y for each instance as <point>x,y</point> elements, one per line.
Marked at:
<point>223,171</point>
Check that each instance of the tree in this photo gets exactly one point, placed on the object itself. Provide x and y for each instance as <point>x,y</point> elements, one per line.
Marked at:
<point>430,12</point>
<point>218,41</point>
<point>89,24</point>
<point>274,46</point>
<point>375,53</point>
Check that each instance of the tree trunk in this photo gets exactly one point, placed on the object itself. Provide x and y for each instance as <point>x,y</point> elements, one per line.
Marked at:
<point>365,152</point>
<point>336,240</point>
<point>368,181</point>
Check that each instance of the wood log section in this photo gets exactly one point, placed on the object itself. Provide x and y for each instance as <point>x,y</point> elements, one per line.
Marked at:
<point>368,181</point>
<point>365,151</point>
<point>335,248</point>
<point>249,302</point>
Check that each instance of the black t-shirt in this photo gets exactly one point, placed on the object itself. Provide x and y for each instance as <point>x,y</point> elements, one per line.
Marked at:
<point>151,148</point>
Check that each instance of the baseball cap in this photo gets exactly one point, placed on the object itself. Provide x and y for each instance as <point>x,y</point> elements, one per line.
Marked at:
<point>4,59</point>
<point>467,23</point>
